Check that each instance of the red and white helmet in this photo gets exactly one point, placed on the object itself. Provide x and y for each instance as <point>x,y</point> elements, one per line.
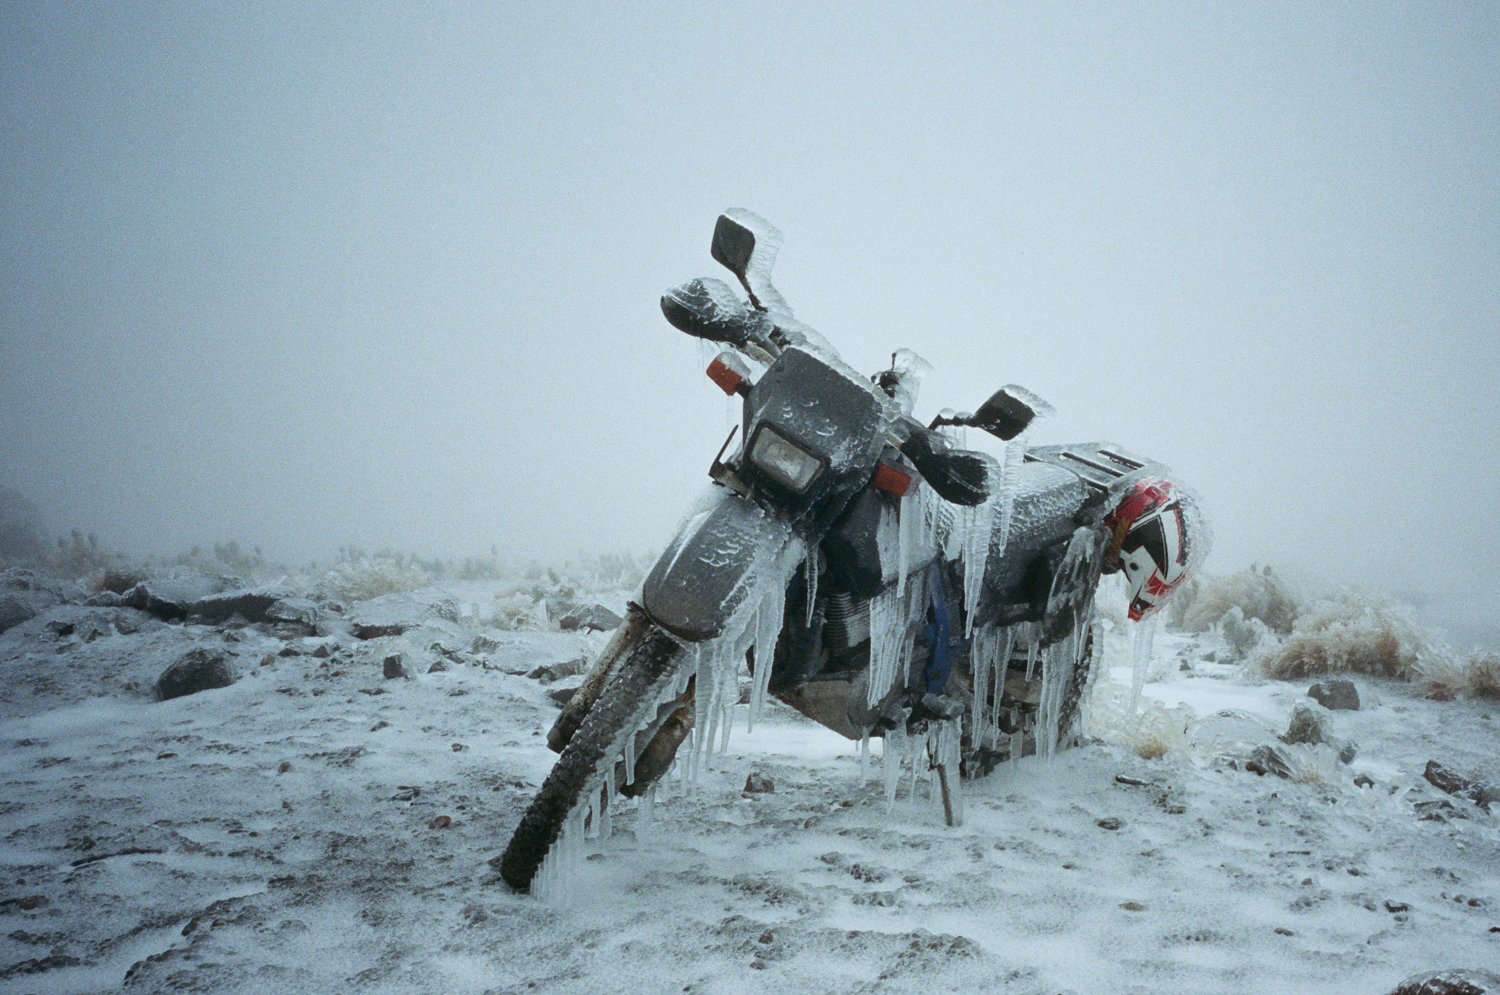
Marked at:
<point>1156,530</point>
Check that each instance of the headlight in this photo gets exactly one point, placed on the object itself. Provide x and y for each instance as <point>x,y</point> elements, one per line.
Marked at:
<point>783,460</point>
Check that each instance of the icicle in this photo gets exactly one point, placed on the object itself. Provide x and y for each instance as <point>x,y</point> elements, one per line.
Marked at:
<point>864,757</point>
<point>979,672</point>
<point>646,812</point>
<point>812,584</point>
<point>606,810</point>
<point>887,638</point>
<point>1033,647</point>
<point>1140,660</point>
<point>888,546</point>
<point>892,751</point>
<point>591,821</point>
<point>976,545</point>
<point>768,619</point>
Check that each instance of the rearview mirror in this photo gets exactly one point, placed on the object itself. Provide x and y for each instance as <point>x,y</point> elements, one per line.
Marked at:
<point>1008,413</point>
<point>733,246</point>
<point>746,244</point>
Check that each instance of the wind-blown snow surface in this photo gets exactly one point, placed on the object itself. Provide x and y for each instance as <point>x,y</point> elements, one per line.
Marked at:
<point>283,834</point>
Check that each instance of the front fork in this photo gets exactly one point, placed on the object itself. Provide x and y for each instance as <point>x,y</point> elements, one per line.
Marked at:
<point>657,744</point>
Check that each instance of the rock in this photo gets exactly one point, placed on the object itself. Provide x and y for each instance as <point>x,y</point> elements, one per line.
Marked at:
<point>323,651</point>
<point>1309,724</point>
<point>759,784</point>
<point>197,670</point>
<point>295,611</point>
<point>172,598</point>
<point>395,666</point>
<point>402,611</point>
<point>1447,781</point>
<point>1457,981</point>
<point>557,671</point>
<point>1312,724</point>
<point>438,667</point>
<point>562,695</point>
<point>1109,823</point>
<point>1265,760</point>
<point>588,617</point>
<point>1335,694</point>
<point>1364,781</point>
<point>13,612</point>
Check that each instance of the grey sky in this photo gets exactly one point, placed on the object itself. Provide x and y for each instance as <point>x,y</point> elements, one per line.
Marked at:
<point>308,275</point>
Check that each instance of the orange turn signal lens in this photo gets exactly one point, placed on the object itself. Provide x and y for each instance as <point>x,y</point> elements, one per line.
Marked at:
<point>892,479</point>
<point>725,377</point>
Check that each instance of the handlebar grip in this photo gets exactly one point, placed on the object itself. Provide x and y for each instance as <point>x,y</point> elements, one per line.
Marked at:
<point>708,309</point>
<point>959,476</point>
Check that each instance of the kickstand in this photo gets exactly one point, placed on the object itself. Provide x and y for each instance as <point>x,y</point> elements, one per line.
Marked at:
<point>942,773</point>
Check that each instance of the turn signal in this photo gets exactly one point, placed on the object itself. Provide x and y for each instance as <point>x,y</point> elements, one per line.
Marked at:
<point>892,479</point>
<point>728,375</point>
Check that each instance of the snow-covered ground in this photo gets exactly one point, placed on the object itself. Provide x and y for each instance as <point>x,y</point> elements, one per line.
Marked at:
<point>319,827</point>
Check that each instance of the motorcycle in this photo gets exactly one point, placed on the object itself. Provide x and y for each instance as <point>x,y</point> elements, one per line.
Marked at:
<point>872,572</point>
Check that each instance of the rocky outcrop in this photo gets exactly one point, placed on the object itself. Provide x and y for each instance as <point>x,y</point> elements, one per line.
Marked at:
<point>1335,695</point>
<point>196,670</point>
<point>1456,981</point>
<point>589,617</point>
<point>13,612</point>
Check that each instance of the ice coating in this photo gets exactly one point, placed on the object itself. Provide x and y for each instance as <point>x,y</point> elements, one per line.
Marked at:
<point>817,398</point>
<point>768,239</point>
<point>910,369</point>
<point>916,758</point>
<point>714,667</point>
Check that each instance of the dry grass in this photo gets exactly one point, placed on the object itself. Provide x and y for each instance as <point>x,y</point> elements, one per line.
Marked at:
<point>1349,634</point>
<point>1446,678</point>
<point>1151,748</point>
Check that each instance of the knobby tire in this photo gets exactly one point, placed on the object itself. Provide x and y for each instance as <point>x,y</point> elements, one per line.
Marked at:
<point>590,755</point>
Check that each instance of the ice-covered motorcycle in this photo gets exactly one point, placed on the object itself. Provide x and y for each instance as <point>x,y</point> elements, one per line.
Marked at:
<point>871,572</point>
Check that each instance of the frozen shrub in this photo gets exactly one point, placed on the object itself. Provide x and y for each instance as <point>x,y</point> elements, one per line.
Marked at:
<point>1484,677</point>
<point>358,577</point>
<point>1243,636</point>
<point>1445,678</point>
<point>1257,592</point>
<point>1350,633</point>
<point>78,555</point>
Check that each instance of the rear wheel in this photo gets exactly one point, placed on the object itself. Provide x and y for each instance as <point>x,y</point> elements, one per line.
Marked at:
<point>630,704</point>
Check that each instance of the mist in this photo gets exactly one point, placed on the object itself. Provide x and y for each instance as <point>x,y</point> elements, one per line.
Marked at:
<point>308,276</point>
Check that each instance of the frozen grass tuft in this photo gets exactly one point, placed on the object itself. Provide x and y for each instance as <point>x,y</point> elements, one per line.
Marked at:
<point>1350,633</point>
<point>358,578</point>
<point>1447,678</point>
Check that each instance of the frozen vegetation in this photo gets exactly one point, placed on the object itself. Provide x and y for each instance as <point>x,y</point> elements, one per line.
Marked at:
<point>320,816</point>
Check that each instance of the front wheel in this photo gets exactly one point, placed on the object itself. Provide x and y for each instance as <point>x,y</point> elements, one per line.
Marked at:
<point>630,704</point>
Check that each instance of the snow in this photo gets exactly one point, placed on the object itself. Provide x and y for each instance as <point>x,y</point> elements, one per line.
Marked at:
<point>167,840</point>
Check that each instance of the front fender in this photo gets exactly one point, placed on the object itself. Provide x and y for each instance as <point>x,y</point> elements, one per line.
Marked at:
<point>717,561</point>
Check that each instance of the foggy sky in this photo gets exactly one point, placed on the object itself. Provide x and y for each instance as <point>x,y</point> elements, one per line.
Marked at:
<point>308,275</point>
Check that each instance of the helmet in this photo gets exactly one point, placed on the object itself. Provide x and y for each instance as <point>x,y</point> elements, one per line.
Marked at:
<point>1156,539</point>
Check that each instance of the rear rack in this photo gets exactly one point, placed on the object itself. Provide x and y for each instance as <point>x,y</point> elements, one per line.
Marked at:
<point>1100,464</point>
